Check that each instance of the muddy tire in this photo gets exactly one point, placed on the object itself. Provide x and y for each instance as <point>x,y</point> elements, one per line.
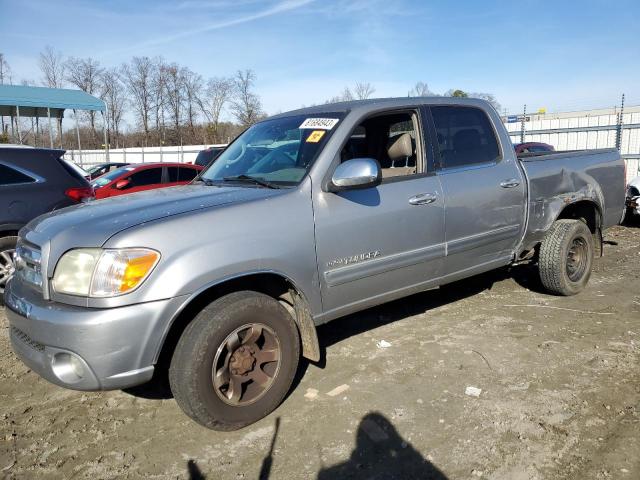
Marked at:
<point>566,257</point>
<point>7,247</point>
<point>236,361</point>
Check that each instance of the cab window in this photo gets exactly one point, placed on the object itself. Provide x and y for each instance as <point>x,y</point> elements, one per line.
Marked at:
<point>392,140</point>
<point>465,136</point>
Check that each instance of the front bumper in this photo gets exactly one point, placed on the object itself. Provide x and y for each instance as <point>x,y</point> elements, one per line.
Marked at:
<point>115,347</point>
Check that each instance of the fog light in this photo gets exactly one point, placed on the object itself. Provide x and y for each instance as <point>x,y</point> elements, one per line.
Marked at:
<point>68,367</point>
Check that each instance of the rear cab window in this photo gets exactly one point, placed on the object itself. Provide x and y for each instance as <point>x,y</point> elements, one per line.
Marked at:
<point>465,136</point>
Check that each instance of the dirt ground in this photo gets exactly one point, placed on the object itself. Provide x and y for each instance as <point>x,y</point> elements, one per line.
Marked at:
<point>560,397</point>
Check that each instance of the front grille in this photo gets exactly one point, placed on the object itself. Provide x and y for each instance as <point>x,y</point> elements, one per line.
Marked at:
<point>26,339</point>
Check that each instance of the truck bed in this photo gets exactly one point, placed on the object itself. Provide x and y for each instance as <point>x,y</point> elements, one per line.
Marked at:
<point>560,178</point>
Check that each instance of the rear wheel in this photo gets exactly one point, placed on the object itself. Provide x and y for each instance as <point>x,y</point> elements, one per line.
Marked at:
<point>7,266</point>
<point>235,361</point>
<point>566,257</point>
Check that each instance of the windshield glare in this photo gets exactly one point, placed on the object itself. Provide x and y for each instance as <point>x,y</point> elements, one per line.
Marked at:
<point>279,151</point>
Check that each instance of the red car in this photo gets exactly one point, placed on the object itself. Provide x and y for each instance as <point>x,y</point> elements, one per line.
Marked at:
<point>145,176</point>
<point>533,147</point>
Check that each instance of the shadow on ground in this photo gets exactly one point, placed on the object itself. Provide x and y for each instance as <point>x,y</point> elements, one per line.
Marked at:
<point>379,452</point>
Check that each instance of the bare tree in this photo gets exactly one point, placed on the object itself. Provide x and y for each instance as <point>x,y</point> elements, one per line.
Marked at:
<point>421,89</point>
<point>138,77</point>
<point>85,74</point>
<point>175,91</point>
<point>246,105</point>
<point>217,94</point>
<point>113,93</point>
<point>192,83</point>
<point>363,91</point>
<point>5,70</point>
<point>159,95</point>
<point>5,74</point>
<point>489,97</point>
<point>51,65</point>
<point>345,96</point>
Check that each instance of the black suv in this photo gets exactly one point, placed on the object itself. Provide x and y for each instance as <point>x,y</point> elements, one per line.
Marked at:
<point>208,155</point>
<point>33,181</point>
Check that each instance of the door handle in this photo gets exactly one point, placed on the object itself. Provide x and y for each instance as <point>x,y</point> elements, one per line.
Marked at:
<point>423,199</point>
<point>511,183</point>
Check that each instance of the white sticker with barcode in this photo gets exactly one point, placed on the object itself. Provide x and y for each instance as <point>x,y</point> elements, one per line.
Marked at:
<point>320,123</point>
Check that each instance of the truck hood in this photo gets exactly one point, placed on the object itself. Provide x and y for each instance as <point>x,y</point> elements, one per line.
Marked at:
<point>92,224</point>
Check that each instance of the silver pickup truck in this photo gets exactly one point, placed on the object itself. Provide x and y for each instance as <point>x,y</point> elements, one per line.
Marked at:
<point>306,217</point>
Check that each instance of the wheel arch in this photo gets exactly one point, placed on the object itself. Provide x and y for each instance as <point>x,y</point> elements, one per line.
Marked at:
<point>10,229</point>
<point>585,210</point>
<point>590,213</point>
<point>274,284</point>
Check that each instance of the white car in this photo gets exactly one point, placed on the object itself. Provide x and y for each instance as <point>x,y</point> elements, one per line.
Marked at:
<point>633,197</point>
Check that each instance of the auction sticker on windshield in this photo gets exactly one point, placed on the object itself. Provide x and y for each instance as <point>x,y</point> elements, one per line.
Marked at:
<point>315,136</point>
<point>320,123</point>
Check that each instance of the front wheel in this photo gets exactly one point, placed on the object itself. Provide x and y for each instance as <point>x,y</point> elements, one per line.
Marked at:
<point>566,257</point>
<point>236,361</point>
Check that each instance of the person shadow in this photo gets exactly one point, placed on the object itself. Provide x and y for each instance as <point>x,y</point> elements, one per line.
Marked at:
<point>381,453</point>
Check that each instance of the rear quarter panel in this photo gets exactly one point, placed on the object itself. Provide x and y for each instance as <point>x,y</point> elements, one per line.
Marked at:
<point>21,203</point>
<point>557,180</point>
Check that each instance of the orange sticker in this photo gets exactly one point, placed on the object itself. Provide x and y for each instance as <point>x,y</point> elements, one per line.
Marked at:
<point>315,136</point>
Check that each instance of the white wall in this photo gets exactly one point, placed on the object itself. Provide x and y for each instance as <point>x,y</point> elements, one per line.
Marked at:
<point>184,154</point>
<point>587,139</point>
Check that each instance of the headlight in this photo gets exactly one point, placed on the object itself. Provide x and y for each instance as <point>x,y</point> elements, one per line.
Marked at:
<point>95,272</point>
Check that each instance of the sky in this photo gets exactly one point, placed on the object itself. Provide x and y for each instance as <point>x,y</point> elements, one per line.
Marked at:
<point>560,55</point>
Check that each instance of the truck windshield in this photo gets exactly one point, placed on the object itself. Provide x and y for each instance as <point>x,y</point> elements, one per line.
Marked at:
<point>278,152</point>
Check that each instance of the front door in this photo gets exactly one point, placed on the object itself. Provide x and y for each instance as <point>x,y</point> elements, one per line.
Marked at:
<point>379,243</point>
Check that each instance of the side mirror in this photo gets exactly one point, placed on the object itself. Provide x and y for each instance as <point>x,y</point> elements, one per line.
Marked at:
<point>121,184</point>
<point>356,173</point>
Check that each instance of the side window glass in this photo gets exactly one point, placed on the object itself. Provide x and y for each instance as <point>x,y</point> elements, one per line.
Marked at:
<point>9,176</point>
<point>390,139</point>
<point>187,174</point>
<point>149,176</point>
<point>465,136</point>
<point>172,174</point>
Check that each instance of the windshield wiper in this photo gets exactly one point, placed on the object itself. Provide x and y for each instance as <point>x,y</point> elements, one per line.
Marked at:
<point>206,181</point>
<point>249,178</point>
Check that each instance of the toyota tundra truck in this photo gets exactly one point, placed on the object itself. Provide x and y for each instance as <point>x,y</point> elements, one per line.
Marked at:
<point>306,217</point>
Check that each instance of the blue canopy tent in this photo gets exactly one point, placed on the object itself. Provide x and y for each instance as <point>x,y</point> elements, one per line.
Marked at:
<point>23,101</point>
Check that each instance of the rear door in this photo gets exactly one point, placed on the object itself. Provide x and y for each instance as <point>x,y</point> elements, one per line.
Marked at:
<point>172,177</point>
<point>483,186</point>
<point>180,175</point>
<point>187,174</point>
